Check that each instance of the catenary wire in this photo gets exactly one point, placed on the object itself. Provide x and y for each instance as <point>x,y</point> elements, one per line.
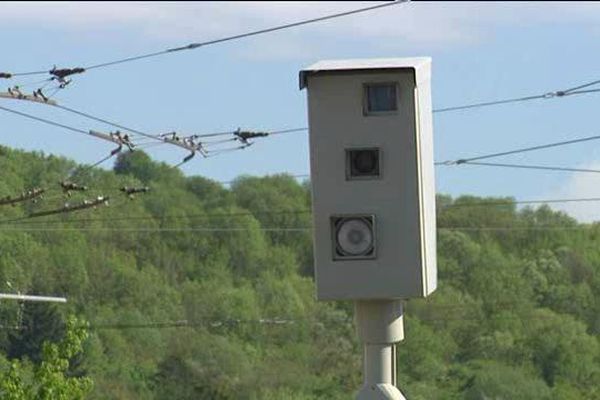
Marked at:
<point>284,212</point>
<point>192,46</point>
<point>518,151</point>
<point>43,120</point>
<point>549,95</point>
<point>105,121</point>
<point>536,167</point>
<point>292,176</point>
<point>210,230</point>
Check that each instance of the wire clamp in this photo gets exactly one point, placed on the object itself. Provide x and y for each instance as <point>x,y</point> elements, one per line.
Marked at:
<point>132,191</point>
<point>38,94</point>
<point>15,91</point>
<point>69,187</point>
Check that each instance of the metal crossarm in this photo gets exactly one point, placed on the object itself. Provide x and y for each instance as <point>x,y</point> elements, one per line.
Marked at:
<point>86,204</point>
<point>37,97</point>
<point>25,196</point>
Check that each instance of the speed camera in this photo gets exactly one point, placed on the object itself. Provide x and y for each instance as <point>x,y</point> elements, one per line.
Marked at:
<point>371,154</point>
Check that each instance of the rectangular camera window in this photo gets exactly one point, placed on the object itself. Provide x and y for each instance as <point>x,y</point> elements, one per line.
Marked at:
<point>363,163</point>
<point>353,237</point>
<point>380,98</point>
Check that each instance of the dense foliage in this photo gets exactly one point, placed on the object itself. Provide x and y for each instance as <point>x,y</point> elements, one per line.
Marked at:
<point>193,291</point>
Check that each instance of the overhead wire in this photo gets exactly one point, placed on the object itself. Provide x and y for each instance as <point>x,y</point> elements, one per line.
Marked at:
<point>211,230</point>
<point>535,167</point>
<point>298,176</point>
<point>519,150</point>
<point>196,45</point>
<point>517,202</point>
<point>294,130</point>
<point>46,121</point>
<point>105,121</point>
<point>424,312</point>
<point>548,95</point>
<point>190,217</point>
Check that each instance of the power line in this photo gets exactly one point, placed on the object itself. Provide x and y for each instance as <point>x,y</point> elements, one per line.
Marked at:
<point>214,323</point>
<point>549,95</point>
<point>518,151</point>
<point>291,130</point>
<point>159,140</point>
<point>518,228</point>
<point>28,73</point>
<point>269,133</point>
<point>192,46</point>
<point>446,163</point>
<point>59,125</point>
<point>162,229</point>
<point>155,139</point>
<point>105,121</point>
<point>576,89</point>
<point>191,217</point>
<point>178,217</point>
<point>536,167</point>
<point>488,103</point>
<point>418,314</point>
<point>211,230</point>
<point>509,202</point>
<point>293,176</point>
<point>46,121</point>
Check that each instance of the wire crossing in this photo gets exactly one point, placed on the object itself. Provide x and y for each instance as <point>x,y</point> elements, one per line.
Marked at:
<point>240,135</point>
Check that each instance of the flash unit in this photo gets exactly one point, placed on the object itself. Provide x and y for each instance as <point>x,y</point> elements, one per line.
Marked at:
<point>353,237</point>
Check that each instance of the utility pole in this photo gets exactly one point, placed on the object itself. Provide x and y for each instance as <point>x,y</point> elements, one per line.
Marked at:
<point>371,152</point>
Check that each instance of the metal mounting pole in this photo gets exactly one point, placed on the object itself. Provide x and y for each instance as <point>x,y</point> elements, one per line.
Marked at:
<point>380,326</point>
<point>24,297</point>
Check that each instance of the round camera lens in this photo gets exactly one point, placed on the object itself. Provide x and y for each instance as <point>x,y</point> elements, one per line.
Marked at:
<point>354,237</point>
<point>365,162</point>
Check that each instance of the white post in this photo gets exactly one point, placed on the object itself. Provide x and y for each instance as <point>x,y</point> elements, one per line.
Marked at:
<point>380,326</point>
<point>24,297</point>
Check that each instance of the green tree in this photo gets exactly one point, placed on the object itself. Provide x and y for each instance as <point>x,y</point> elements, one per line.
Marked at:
<point>49,380</point>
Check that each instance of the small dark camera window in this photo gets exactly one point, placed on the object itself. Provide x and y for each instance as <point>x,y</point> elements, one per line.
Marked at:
<point>363,163</point>
<point>380,98</point>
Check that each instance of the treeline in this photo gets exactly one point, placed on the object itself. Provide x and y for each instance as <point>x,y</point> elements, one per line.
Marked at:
<point>195,291</point>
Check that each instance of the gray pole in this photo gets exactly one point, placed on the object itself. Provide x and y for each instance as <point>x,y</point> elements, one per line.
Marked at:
<point>380,326</point>
<point>24,297</point>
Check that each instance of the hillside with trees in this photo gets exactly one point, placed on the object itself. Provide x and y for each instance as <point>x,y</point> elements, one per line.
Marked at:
<point>199,291</point>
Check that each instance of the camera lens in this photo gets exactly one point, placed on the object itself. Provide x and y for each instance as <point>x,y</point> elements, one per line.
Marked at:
<point>362,163</point>
<point>354,237</point>
<point>365,162</point>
